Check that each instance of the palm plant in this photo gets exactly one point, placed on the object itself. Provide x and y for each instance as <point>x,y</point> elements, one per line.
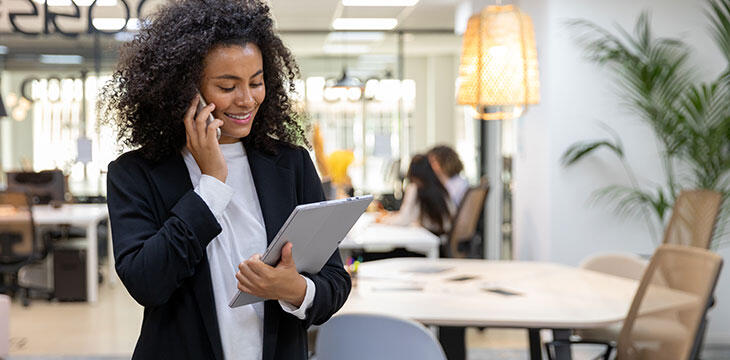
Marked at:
<point>690,120</point>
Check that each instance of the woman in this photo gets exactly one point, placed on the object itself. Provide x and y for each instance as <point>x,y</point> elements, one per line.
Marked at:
<point>191,214</point>
<point>447,166</point>
<point>425,202</point>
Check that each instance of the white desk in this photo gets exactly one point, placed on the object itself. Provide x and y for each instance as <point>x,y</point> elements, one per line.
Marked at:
<point>84,215</point>
<point>370,236</point>
<point>550,296</point>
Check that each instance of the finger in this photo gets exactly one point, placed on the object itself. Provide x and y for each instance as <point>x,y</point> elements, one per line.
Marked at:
<point>286,255</point>
<point>258,267</point>
<point>211,133</point>
<point>248,270</point>
<point>244,284</point>
<point>188,120</point>
<point>200,126</point>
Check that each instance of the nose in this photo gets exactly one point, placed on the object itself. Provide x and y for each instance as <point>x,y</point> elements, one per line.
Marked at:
<point>245,99</point>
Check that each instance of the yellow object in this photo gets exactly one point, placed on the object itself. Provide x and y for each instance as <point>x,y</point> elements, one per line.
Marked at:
<point>318,144</point>
<point>337,163</point>
<point>498,74</point>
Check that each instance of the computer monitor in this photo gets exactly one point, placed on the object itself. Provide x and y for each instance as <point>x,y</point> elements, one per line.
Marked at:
<point>45,187</point>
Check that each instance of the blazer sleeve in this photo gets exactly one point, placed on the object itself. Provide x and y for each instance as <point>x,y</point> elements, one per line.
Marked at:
<point>155,250</point>
<point>332,282</point>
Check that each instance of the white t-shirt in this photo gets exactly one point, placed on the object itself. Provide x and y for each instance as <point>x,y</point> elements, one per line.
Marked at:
<point>235,205</point>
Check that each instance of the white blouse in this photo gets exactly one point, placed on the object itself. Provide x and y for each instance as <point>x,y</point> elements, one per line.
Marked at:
<point>235,205</point>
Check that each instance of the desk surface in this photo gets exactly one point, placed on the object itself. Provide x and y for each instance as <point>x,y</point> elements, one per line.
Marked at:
<point>370,236</point>
<point>549,296</point>
<point>74,214</point>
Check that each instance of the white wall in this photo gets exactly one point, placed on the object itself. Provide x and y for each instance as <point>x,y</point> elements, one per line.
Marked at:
<point>553,217</point>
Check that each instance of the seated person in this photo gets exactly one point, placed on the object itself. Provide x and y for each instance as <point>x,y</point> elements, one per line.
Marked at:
<point>425,202</point>
<point>446,164</point>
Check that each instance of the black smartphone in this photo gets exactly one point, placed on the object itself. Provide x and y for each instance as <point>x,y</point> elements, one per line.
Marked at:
<point>210,119</point>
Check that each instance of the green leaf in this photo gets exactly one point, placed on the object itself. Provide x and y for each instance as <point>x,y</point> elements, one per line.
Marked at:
<point>580,150</point>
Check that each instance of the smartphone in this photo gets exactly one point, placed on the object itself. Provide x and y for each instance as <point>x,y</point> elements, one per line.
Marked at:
<point>210,119</point>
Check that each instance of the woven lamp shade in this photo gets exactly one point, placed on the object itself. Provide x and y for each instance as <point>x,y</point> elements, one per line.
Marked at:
<point>498,74</point>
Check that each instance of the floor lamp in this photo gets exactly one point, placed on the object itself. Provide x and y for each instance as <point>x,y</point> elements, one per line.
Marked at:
<point>498,76</point>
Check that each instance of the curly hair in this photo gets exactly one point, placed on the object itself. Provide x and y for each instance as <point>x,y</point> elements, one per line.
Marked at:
<point>160,70</point>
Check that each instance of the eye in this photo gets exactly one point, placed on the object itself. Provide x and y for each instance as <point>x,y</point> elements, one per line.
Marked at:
<point>227,89</point>
<point>257,84</point>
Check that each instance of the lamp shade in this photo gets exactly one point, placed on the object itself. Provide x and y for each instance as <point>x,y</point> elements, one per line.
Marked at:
<point>498,74</point>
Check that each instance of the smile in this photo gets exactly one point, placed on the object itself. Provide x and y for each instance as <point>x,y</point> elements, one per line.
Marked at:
<point>241,118</point>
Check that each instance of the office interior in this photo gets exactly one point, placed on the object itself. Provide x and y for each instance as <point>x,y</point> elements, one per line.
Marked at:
<point>540,219</point>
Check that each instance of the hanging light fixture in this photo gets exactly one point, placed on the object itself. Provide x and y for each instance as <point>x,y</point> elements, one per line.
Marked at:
<point>346,81</point>
<point>498,74</point>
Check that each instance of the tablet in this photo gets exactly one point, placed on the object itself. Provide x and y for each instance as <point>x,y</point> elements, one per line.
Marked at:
<point>315,230</point>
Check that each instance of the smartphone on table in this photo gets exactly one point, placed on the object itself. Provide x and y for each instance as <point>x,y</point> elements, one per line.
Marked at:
<point>210,119</point>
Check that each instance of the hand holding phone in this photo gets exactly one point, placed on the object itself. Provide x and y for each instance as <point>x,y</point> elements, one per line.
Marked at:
<point>210,119</point>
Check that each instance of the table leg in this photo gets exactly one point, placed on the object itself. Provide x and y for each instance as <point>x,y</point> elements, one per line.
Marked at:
<point>562,352</point>
<point>112,276</point>
<point>535,344</point>
<point>92,263</point>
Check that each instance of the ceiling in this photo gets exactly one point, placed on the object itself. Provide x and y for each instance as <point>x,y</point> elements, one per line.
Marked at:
<point>305,26</point>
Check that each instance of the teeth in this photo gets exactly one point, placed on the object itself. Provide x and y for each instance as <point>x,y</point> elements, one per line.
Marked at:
<point>239,117</point>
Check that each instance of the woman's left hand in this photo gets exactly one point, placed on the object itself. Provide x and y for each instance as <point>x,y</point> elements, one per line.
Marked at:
<point>282,282</point>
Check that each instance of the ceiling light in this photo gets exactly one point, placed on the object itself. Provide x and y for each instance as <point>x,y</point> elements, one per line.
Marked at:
<point>61,59</point>
<point>355,36</point>
<point>364,23</point>
<point>379,2</point>
<point>345,49</point>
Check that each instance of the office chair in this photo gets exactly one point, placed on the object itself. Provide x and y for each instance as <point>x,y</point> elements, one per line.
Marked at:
<point>44,187</point>
<point>371,336</point>
<point>664,321</point>
<point>692,223</point>
<point>693,220</point>
<point>461,241</point>
<point>17,238</point>
<point>626,265</point>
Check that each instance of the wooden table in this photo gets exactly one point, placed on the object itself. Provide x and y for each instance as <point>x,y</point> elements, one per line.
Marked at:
<point>509,294</point>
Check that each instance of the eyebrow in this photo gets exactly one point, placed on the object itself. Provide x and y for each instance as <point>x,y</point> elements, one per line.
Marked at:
<point>234,77</point>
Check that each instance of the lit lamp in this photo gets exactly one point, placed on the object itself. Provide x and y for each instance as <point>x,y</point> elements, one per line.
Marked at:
<point>498,74</point>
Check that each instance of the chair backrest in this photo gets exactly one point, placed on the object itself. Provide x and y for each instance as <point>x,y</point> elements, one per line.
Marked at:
<point>467,216</point>
<point>370,336</point>
<point>626,265</point>
<point>693,218</point>
<point>673,297</point>
<point>17,233</point>
<point>44,187</point>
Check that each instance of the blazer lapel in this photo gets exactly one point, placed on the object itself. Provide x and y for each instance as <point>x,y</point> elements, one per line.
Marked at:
<point>173,180</point>
<point>277,197</point>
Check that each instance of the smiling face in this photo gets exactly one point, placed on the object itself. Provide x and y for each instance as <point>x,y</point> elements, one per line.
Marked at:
<point>233,79</point>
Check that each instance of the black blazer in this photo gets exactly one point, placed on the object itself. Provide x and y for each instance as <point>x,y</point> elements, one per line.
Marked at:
<point>161,228</point>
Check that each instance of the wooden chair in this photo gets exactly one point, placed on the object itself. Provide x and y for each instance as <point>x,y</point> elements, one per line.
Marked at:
<point>460,242</point>
<point>693,220</point>
<point>664,321</point>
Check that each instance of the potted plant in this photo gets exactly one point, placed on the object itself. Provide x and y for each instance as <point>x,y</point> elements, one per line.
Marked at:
<point>691,120</point>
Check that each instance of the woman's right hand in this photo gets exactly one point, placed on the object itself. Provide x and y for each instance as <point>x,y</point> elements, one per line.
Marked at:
<point>202,141</point>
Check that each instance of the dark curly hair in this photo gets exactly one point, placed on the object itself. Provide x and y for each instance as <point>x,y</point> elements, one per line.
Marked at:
<point>160,70</point>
